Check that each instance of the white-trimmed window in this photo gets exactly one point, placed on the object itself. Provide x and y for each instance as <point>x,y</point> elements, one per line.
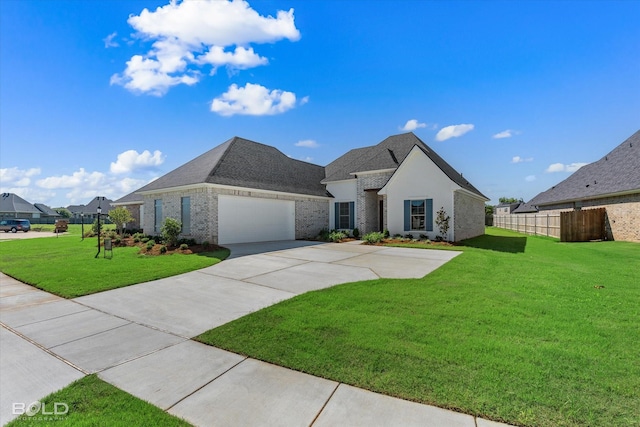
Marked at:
<point>344,215</point>
<point>418,215</point>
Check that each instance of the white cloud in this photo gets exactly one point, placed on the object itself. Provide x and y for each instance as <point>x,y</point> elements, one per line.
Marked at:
<point>145,75</point>
<point>453,131</point>
<point>80,178</point>
<point>109,42</point>
<point>530,178</point>
<point>518,159</point>
<point>17,177</point>
<point>412,125</point>
<point>505,134</point>
<point>253,100</point>
<point>131,160</point>
<point>308,143</point>
<point>560,167</point>
<point>240,59</point>
<point>187,35</point>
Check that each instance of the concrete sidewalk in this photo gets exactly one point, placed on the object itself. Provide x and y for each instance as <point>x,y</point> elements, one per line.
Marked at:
<point>137,338</point>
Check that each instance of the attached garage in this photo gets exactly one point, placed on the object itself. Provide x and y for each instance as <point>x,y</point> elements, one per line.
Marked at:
<point>252,219</point>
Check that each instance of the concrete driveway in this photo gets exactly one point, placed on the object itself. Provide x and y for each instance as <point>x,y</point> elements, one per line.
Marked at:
<point>192,303</point>
<point>137,338</point>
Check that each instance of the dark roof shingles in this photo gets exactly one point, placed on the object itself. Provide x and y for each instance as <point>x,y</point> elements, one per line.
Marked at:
<point>617,172</point>
<point>242,163</point>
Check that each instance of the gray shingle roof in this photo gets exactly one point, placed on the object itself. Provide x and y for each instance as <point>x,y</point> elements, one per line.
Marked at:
<point>12,203</point>
<point>92,206</point>
<point>617,172</point>
<point>242,163</point>
<point>388,155</point>
<point>46,209</point>
<point>130,198</point>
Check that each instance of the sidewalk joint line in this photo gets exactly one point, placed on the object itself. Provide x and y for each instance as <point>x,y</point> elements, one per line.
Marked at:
<point>325,405</point>
<point>206,384</point>
<point>46,350</point>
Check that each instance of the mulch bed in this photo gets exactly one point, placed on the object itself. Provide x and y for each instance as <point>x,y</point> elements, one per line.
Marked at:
<point>193,249</point>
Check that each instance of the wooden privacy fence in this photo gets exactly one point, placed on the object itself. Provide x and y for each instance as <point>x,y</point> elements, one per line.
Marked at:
<point>537,224</point>
<point>582,225</point>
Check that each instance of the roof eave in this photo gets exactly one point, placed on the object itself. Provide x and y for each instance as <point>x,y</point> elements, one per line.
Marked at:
<point>593,197</point>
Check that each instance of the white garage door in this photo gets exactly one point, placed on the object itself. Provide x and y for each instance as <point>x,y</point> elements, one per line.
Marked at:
<point>250,219</point>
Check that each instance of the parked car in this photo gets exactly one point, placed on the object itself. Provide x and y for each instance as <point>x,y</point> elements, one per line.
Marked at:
<point>15,225</point>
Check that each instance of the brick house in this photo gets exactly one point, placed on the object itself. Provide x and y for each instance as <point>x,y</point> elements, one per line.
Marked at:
<point>244,191</point>
<point>613,183</point>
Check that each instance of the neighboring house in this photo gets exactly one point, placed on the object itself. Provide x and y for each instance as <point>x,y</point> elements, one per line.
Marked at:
<point>90,210</point>
<point>46,211</point>
<point>244,191</point>
<point>14,206</point>
<point>613,183</point>
<point>506,208</point>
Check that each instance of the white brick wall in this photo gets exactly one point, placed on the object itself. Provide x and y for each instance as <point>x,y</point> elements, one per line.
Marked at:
<point>468,216</point>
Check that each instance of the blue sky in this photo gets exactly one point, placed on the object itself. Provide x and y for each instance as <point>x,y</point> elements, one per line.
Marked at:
<point>100,97</point>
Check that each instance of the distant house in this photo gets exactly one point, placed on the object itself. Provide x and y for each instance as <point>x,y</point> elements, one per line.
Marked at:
<point>14,206</point>
<point>46,211</point>
<point>613,183</point>
<point>90,211</point>
<point>244,191</point>
<point>506,208</point>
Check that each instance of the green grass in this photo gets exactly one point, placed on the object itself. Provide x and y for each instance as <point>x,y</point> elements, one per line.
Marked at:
<point>66,266</point>
<point>520,329</point>
<point>93,402</point>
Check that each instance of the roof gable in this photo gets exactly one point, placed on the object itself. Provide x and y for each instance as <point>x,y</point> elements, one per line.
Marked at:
<point>389,154</point>
<point>616,172</point>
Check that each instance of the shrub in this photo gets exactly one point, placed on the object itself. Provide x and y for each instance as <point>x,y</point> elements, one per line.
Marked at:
<point>397,236</point>
<point>442,221</point>
<point>373,237</point>
<point>424,237</point>
<point>144,239</point>
<point>136,239</point>
<point>323,235</point>
<point>163,249</point>
<point>385,234</point>
<point>206,243</point>
<point>184,247</point>
<point>408,236</point>
<point>150,244</point>
<point>117,241</point>
<point>170,231</point>
<point>336,236</point>
<point>356,233</point>
<point>189,242</point>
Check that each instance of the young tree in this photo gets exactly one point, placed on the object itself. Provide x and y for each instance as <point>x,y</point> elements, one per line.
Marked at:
<point>120,216</point>
<point>63,212</point>
<point>442,221</point>
<point>170,230</point>
<point>507,200</point>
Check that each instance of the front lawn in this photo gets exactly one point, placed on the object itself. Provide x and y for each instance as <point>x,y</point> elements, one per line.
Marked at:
<point>93,402</point>
<point>67,266</point>
<point>520,329</point>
